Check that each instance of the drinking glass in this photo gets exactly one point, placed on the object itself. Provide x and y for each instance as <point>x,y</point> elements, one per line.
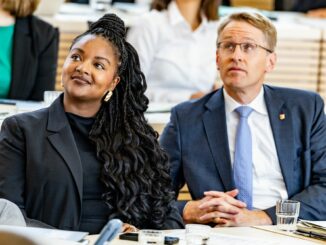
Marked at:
<point>197,234</point>
<point>287,212</point>
<point>50,96</point>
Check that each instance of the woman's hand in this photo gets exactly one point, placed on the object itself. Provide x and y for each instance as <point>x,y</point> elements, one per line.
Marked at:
<point>128,228</point>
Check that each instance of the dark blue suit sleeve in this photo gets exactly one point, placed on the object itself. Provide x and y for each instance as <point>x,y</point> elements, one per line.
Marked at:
<point>313,197</point>
<point>171,143</point>
<point>313,168</point>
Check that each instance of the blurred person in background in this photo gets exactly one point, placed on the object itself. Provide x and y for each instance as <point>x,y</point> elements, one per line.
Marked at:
<point>315,8</point>
<point>176,46</point>
<point>29,51</point>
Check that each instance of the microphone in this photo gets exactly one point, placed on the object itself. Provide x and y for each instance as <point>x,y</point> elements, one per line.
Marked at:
<point>109,231</point>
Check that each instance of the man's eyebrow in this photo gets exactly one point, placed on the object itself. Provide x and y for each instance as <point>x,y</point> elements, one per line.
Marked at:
<point>245,38</point>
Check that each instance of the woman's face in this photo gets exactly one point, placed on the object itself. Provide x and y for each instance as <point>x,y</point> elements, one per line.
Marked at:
<point>90,70</point>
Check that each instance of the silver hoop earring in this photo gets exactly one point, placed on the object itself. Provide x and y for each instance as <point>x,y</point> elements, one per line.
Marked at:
<point>108,96</point>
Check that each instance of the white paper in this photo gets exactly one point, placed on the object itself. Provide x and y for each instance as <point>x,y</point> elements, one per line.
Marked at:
<point>45,233</point>
<point>217,237</point>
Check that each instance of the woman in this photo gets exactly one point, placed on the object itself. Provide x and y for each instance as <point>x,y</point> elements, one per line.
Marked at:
<point>91,156</point>
<point>29,51</point>
<point>176,43</point>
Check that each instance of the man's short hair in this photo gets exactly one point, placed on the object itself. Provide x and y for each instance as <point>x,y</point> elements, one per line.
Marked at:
<point>257,20</point>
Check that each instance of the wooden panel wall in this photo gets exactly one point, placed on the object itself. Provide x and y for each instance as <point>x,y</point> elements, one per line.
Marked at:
<point>297,64</point>
<point>259,4</point>
<point>64,44</point>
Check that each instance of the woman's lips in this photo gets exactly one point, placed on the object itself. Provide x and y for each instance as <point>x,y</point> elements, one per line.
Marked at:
<point>81,79</point>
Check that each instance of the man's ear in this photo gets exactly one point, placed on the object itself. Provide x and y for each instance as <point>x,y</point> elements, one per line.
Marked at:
<point>217,59</point>
<point>271,62</point>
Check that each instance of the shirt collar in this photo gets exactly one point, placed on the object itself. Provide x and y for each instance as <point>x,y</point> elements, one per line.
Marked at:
<point>175,16</point>
<point>258,104</point>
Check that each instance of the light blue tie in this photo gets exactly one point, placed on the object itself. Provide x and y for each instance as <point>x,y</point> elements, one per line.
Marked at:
<point>242,166</point>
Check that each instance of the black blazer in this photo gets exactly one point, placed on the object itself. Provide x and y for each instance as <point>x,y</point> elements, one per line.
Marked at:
<point>41,171</point>
<point>34,60</point>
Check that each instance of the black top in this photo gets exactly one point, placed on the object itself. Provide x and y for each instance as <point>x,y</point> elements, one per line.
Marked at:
<point>94,213</point>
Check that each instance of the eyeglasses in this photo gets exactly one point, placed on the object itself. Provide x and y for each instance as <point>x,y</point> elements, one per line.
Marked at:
<point>247,48</point>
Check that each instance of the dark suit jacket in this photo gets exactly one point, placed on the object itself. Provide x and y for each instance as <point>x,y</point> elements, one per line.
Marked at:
<point>41,171</point>
<point>197,143</point>
<point>306,5</point>
<point>34,61</point>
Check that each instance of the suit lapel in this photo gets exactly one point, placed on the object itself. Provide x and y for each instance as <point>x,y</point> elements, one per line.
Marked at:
<point>63,141</point>
<point>216,132</point>
<point>21,59</point>
<point>281,122</point>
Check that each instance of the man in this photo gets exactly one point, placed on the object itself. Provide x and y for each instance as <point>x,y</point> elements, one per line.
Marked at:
<point>237,166</point>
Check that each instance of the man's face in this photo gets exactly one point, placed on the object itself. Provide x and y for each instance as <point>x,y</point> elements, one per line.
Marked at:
<point>243,69</point>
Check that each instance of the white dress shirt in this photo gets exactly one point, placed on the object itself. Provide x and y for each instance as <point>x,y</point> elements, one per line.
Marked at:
<point>268,182</point>
<point>176,61</point>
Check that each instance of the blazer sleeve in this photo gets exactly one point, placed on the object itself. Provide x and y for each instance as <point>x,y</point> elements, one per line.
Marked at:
<point>12,162</point>
<point>12,167</point>
<point>312,197</point>
<point>174,220</point>
<point>47,64</point>
<point>170,141</point>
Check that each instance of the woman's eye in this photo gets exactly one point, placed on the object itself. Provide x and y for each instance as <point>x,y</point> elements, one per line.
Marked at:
<point>75,57</point>
<point>99,66</point>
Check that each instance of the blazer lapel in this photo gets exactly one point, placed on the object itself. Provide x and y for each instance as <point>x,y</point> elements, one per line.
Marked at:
<point>63,141</point>
<point>21,59</point>
<point>281,122</point>
<point>216,132</point>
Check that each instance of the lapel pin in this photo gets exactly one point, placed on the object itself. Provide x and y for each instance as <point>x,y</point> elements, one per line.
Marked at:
<point>282,116</point>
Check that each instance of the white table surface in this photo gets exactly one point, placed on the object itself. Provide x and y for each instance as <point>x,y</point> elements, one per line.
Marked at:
<point>233,236</point>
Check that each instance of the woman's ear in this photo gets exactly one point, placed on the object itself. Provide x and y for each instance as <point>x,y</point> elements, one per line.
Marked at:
<point>115,82</point>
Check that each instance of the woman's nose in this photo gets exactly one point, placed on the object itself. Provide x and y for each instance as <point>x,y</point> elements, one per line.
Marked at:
<point>83,68</point>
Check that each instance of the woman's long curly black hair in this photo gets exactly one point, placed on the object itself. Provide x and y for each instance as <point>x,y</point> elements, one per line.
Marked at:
<point>135,170</point>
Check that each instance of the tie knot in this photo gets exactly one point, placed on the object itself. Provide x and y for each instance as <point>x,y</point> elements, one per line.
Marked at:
<point>244,111</point>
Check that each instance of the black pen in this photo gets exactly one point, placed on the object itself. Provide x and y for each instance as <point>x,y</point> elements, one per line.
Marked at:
<point>3,102</point>
<point>311,235</point>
